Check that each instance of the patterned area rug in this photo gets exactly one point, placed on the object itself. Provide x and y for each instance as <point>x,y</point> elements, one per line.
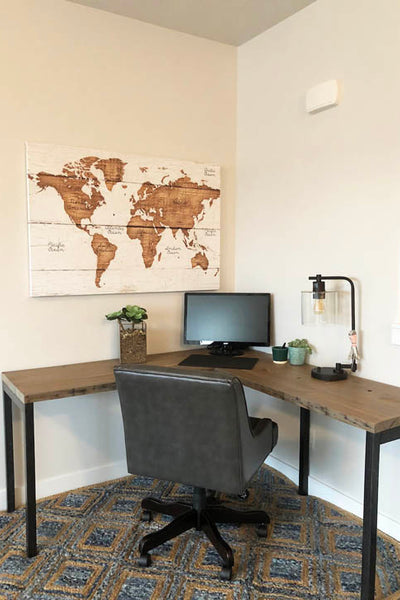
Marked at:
<point>88,541</point>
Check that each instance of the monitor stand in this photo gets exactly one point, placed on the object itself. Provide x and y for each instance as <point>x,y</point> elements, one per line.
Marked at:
<point>226,348</point>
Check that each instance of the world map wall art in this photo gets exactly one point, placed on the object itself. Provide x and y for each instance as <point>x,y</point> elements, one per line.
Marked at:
<point>100,222</point>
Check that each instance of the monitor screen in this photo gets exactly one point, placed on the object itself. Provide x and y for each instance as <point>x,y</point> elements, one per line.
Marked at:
<point>232,318</point>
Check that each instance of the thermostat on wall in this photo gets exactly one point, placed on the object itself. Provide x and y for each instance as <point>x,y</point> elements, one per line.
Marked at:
<point>321,96</point>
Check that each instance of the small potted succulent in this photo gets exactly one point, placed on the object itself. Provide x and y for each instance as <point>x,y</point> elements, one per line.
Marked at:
<point>132,333</point>
<point>298,350</point>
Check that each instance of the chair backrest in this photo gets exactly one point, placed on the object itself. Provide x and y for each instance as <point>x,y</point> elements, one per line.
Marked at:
<point>183,425</point>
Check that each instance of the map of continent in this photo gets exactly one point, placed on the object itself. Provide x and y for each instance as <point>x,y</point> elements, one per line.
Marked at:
<point>107,223</point>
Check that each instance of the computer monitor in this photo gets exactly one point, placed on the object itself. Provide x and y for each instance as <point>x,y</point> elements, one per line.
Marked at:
<point>227,322</point>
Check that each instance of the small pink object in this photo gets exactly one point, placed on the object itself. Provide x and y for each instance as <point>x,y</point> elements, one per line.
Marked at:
<point>353,338</point>
<point>354,354</point>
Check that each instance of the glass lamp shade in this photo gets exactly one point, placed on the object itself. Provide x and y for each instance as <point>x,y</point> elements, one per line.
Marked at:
<point>316,312</point>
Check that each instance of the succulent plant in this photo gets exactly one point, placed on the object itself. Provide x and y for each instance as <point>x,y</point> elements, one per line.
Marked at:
<point>132,313</point>
<point>303,343</point>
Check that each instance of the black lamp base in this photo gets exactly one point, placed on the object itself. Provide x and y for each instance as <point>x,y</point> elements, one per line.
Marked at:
<point>328,373</point>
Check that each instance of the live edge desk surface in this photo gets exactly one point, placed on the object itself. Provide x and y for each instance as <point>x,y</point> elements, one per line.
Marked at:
<point>362,403</point>
<point>366,404</point>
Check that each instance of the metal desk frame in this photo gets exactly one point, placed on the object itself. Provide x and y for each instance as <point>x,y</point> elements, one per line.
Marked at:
<point>371,476</point>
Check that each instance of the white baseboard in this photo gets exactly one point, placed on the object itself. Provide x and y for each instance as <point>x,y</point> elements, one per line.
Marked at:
<point>69,481</point>
<point>3,499</point>
<point>77,479</point>
<point>325,492</point>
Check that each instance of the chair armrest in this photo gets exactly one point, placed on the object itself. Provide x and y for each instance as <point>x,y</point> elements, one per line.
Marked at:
<point>261,438</point>
<point>257,425</point>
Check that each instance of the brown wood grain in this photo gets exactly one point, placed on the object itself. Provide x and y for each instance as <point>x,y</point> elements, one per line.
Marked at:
<point>363,403</point>
<point>49,383</point>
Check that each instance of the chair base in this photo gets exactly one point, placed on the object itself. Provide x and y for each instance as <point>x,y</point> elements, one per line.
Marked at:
<point>202,515</point>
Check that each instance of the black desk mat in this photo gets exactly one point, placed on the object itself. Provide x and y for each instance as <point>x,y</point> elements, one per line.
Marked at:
<point>219,362</point>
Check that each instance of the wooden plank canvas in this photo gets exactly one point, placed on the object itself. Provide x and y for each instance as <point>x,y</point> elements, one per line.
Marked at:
<point>101,222</point>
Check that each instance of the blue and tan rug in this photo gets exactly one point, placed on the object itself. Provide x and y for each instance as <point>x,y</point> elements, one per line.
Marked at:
<point>88,542</point>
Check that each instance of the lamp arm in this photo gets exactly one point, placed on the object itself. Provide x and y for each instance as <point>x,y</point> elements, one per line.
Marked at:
<point>353,301</point>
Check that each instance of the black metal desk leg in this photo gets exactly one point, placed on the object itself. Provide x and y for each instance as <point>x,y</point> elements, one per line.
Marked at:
<point>31,547</point>
<point>370,522</point>
<point>9,448</point>
<point>304,458</point>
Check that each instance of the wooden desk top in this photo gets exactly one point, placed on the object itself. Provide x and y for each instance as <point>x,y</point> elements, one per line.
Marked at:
<point>363,403</point>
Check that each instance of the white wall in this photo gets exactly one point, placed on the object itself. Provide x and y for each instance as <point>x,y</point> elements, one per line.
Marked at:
<point>316,194</point>
<point>321,194</point>
<point>82,77</point>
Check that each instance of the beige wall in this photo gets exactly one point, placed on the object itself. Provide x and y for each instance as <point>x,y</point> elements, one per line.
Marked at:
<point>321,194</point>
<point>315,193</point>
<point>81,77</point>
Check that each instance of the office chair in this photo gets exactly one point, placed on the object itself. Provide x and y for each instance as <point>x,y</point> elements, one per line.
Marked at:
<point>192,427</point>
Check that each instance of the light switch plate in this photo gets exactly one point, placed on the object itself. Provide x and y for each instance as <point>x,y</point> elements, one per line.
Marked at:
<point>396,334</point>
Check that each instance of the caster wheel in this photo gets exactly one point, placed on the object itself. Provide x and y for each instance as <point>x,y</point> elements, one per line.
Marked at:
<point>146,516</point>
<point>226,573</point>
<point>262,530</point>
<point>244,495</point>
<point>144,560</point>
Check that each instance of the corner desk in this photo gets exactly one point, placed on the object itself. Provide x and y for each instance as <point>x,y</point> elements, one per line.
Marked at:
<point>362,403</point>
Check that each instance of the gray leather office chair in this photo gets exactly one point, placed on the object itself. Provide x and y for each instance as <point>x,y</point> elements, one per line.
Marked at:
<point>192,427</point>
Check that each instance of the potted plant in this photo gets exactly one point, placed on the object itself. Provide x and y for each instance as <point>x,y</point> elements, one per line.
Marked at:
<point>298,350</point>
<point>132,333</point>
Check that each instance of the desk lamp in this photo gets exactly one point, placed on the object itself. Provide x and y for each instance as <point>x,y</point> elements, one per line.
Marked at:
<point>319,306</point>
